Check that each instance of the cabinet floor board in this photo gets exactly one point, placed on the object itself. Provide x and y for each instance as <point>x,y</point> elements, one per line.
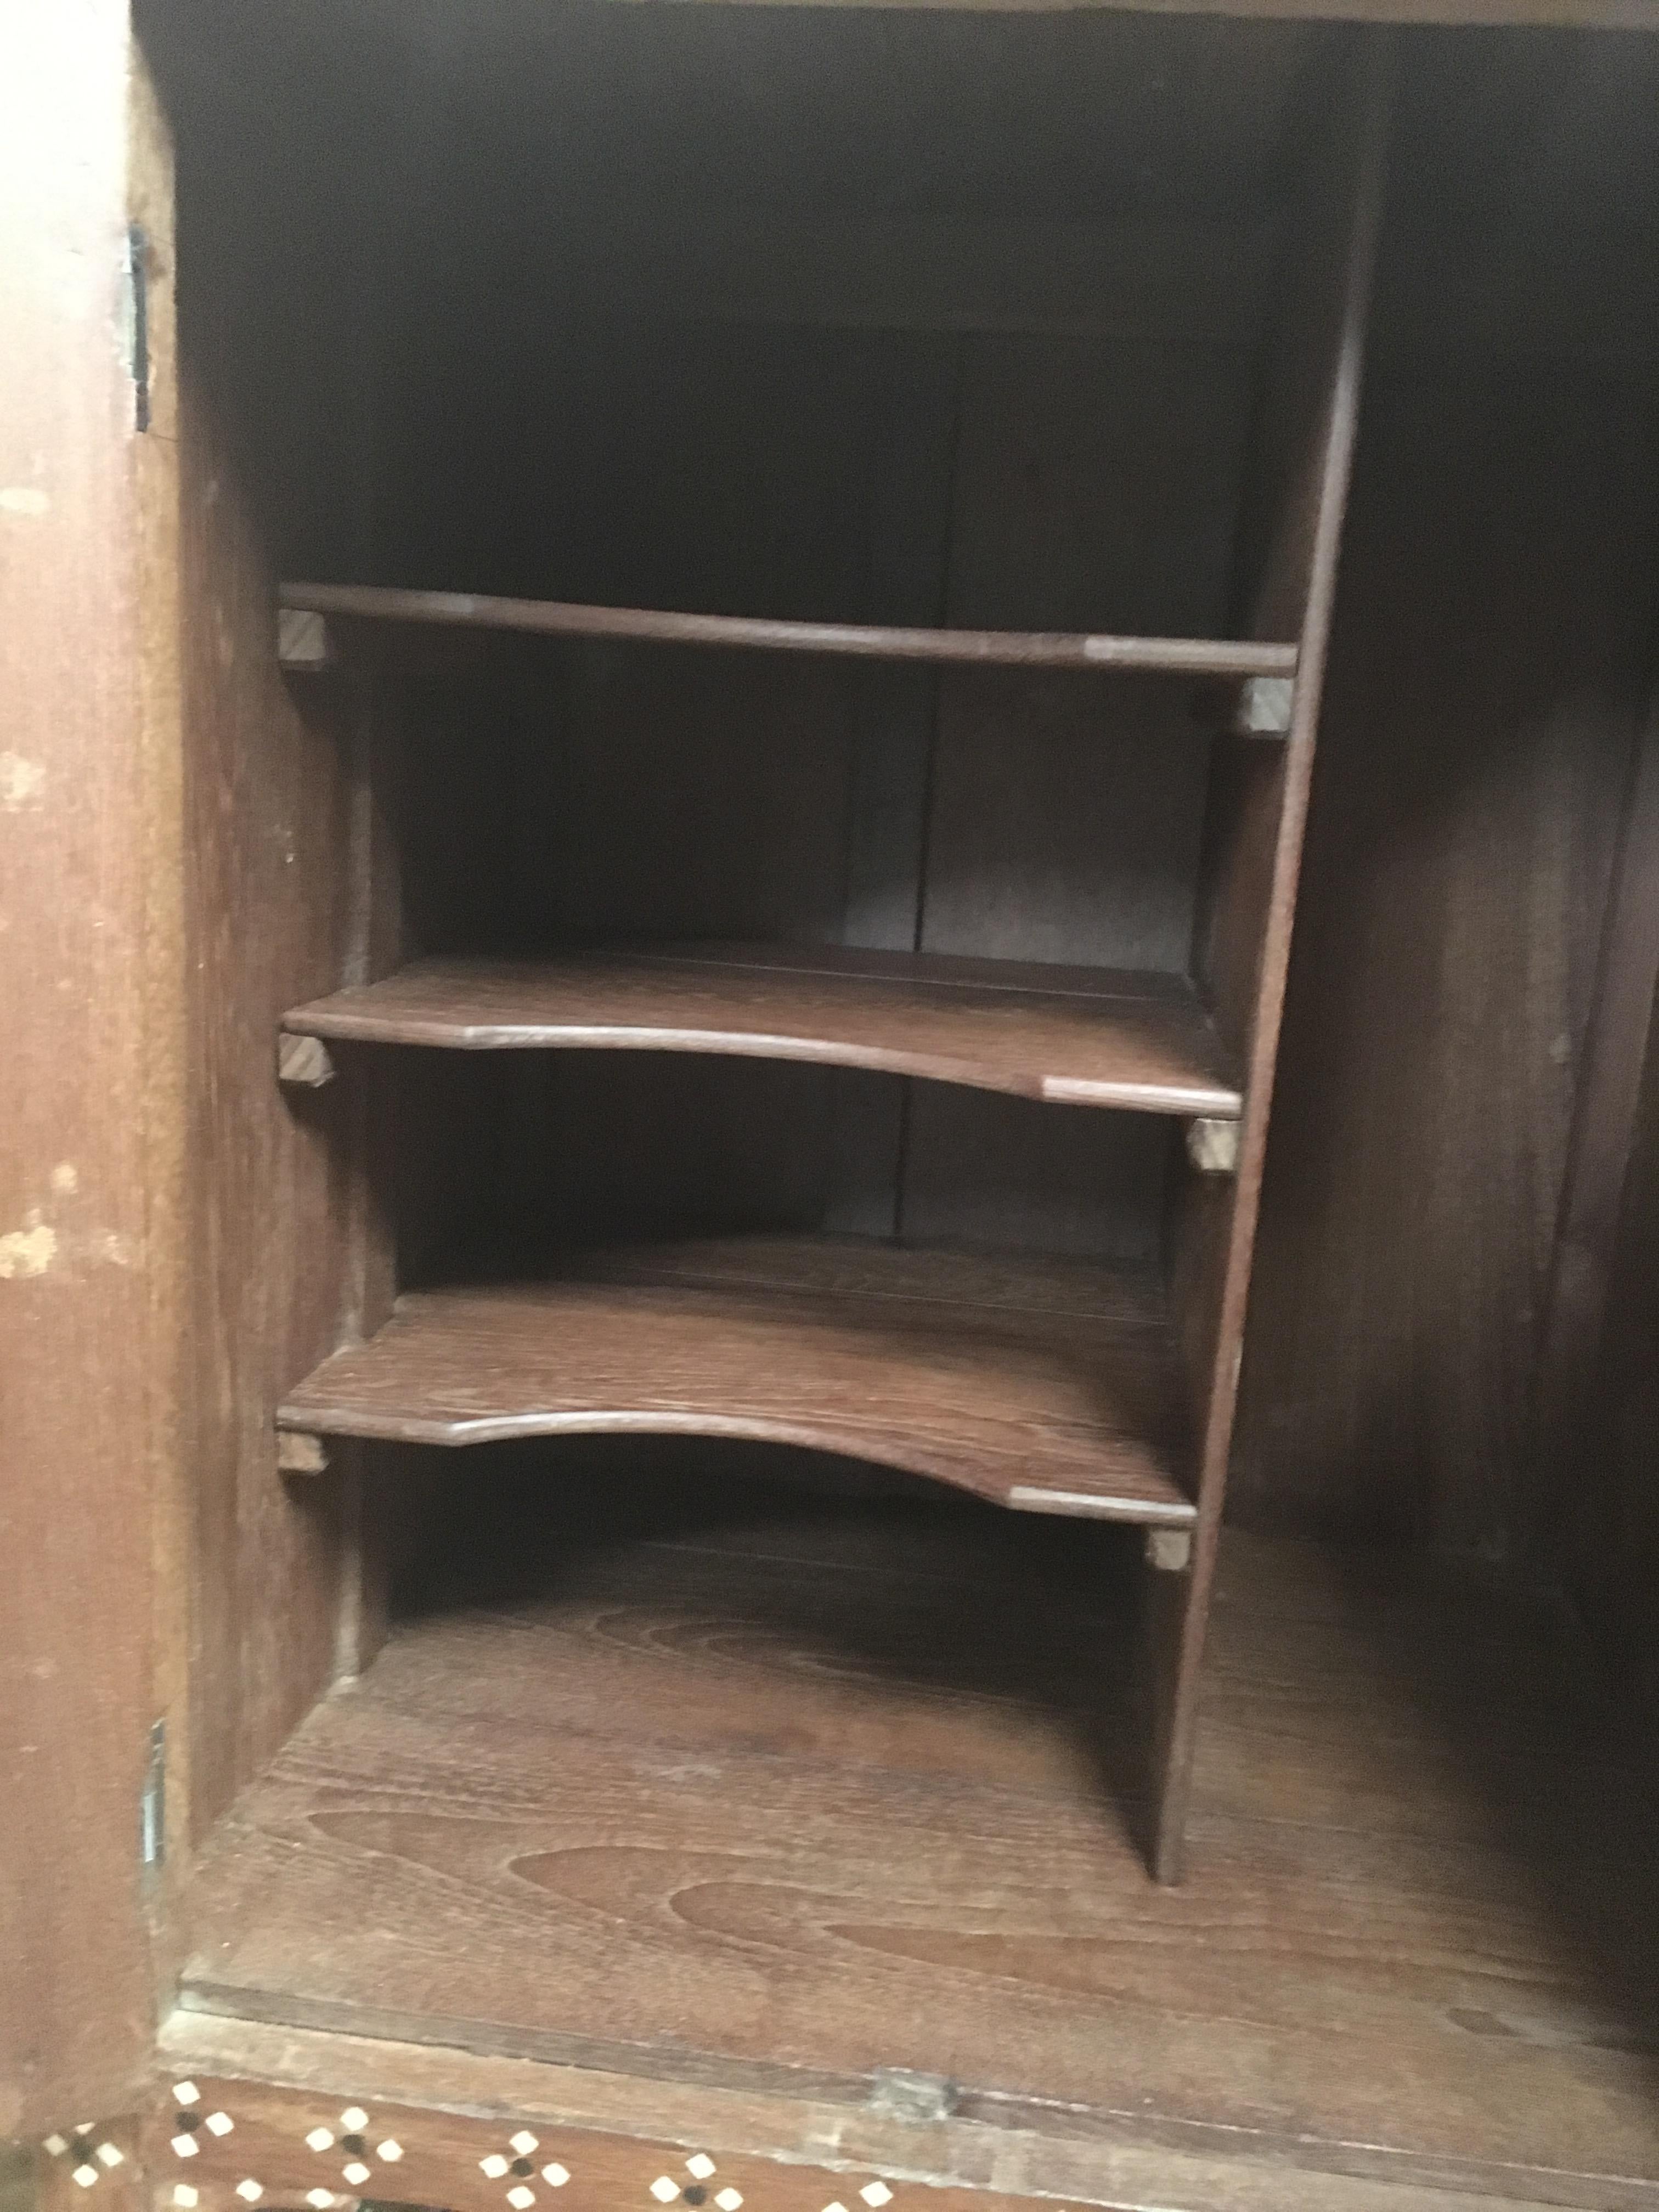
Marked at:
<point>793,1799</point>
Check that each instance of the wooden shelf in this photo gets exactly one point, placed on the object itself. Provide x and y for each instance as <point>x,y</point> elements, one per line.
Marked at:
<point>1042,1385</point>
<point>1068,1036</point>
<point>1006,649</point>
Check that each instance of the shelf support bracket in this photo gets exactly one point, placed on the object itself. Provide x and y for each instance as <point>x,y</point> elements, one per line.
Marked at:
<point>1212,1145</point>
<point>1169,1550</point>
<point>304,1059</point>
<point>298,1453</point>
<point>1263,709</point>
<point>305,644</point>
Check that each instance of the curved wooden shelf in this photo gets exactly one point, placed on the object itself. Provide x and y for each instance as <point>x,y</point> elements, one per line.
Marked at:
<point>990,648</point>
<point>1068,1036</point>
<point>1042,1385</point>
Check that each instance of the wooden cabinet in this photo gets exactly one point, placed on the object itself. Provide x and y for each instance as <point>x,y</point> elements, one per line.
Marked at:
<point>669,663</point>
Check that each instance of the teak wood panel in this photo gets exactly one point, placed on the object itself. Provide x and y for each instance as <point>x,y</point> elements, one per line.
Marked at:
<point>1050,1389</point>
<point>766,1805</point>
<point>90,840</point>
<point>1071,1035</point>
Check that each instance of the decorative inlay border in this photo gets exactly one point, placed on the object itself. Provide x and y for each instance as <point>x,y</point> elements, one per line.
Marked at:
<point>216,2145</point>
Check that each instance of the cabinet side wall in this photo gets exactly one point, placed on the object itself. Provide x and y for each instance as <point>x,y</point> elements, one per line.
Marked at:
<point>284,853</point>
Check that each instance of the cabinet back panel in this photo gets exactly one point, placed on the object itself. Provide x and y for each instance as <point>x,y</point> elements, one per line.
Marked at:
<point>605,792</point>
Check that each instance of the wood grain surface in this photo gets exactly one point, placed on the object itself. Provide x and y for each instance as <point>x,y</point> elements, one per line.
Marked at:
<point>1048,1387</point>
<point>763,1795</point>
<point>89,1258</point>
<point>1071,1035</point>
<point>1485,699</point>
<point>273,785</point>
<point>1179,656</point>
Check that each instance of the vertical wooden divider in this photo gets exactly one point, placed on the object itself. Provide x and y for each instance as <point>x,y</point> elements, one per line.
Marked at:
<point>374,947</point>
<point>1307,423</point>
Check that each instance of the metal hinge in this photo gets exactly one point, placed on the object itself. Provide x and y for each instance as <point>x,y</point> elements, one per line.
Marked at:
<point>135,293</point>
<point>153,1802</point>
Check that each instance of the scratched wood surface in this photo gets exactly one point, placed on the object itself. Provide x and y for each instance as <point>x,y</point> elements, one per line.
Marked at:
<point>787,1798</point>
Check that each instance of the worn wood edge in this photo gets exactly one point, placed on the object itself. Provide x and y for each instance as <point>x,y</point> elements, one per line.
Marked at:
<point>1013,2147</point>
<point>1080,1505</point>
<point>1375,67</point>
<point>90,1280</point>
<point>983,648</point>
<point>155,459</point>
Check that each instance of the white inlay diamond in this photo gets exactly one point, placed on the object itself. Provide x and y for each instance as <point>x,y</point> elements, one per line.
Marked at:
<point>354,2119</point>
<point>185,2145</point>
<point>664,2190</point>
<point>520,2198</point>
<point>702,2165</point>
<point>249,2191</point>
<point>877,2195</point>
<point>728,2200</point>
<point>220,2124</point>
<point>356,2173</point>
<point>391,2150</point>
<point>320,2139</point>
<point>523,2142</point>
<point>555,2176</point>
<point>185,2197</point>
<point>494,2165</point>
<point>186,2092</point>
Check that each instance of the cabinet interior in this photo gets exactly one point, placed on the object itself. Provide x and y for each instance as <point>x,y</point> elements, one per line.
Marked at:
<point>927,960</point>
